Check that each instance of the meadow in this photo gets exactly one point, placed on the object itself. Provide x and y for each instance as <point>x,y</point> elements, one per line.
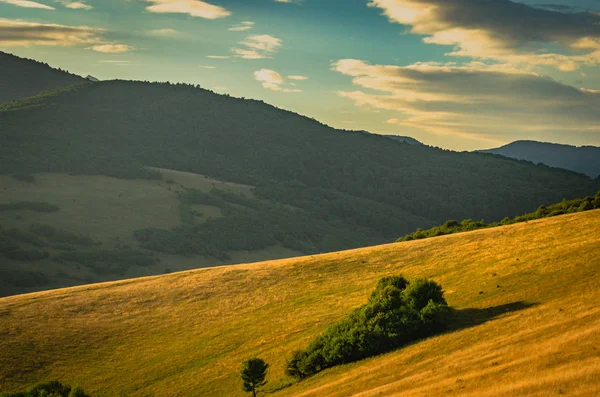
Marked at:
<point>526,323</point>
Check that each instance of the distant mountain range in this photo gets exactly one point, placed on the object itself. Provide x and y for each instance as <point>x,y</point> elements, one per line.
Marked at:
<point>21,77</point>
<point>583,159</point>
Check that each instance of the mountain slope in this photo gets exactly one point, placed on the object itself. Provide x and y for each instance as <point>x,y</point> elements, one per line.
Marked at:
<point>21,77</point>
<point>527,321</point>
<point>308,188</point>
<point>584,159</point>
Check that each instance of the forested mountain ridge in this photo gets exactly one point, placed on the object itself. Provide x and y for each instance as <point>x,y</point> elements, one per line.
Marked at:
<point>584,159</point>
<point>21,77</point>
<point>303,187</point>
<point>119,127</point>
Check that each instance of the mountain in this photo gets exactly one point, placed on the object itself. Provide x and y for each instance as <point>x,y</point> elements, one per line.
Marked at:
<point>21,77</point>
<point>119,179</point>
<point>405,139</point>
<point>527,321</point>
<point>584,159</point>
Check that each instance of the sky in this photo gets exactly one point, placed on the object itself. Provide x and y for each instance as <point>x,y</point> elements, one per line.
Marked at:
<point>458,74</point>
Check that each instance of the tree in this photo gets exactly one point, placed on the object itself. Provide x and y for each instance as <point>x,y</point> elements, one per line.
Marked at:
<point>253,374</point>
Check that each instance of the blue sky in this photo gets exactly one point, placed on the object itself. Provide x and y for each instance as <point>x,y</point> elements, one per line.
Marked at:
<point>459,74</point>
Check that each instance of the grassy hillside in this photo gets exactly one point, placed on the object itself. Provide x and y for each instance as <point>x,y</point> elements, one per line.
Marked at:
<point>528,322</point>
<point>21,77</point>
<point>584,159</point>
<point>107,211</point>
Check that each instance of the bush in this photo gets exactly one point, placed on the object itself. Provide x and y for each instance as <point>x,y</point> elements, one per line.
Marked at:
<point>49,389</point>
<point>61,236</point>
<point>398,312</point>
<point>24,177</point>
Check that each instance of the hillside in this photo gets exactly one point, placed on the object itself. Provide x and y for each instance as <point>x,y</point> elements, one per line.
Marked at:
<point>584,159</point>
<point>21,77</point>
<point>527,321</point>
<point>405,139</point>
<point>109,157</point>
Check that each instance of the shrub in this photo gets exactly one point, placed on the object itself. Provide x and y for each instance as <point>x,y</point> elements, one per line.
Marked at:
<point>49,389</point>
<point>398,312</point>
<point>61,236</point>
<point>24,177</point>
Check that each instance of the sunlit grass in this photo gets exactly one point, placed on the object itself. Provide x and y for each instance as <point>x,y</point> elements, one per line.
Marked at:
<point>187,333</point>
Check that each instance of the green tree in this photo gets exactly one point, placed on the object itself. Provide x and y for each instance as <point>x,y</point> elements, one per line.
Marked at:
<point>253,374</point>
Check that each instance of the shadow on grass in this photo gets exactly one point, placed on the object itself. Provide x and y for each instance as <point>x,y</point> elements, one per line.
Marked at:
<point>466,318</point>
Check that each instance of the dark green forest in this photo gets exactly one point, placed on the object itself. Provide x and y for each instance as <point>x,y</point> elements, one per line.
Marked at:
<point>22,77</point>
<point>383,187</point>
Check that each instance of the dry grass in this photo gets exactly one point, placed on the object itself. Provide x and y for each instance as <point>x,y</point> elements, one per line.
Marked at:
<point>527,294</point>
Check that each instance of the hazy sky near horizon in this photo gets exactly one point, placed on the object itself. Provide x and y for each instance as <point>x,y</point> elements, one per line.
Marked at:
<point>460,74</point>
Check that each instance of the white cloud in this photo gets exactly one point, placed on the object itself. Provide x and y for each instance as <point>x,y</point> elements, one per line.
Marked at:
<point>241,27</point>
<point>27,4</point>
<point>473,102</point>
<point>272,80</point>
<point>207,67</point>
<point>218,56</point>
<point>21,33</point>
<point>195,8</point>
<point>111,48</point>
<point>502,30</point>
<point>76,5</point>
<point>165,32</point>
<point>257,47</point>
<point>296,77</point>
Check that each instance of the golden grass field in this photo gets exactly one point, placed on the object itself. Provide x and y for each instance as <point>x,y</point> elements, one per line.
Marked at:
<point>528,321</point>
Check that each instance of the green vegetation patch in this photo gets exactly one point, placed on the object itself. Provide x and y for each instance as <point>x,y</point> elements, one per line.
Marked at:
<point>452,226</point>
<point>59,236</point>
<point>49,389</point>
<point>29,206</point>
<point>115,261</point>
<point>398,312</point>
<point>23,177</point>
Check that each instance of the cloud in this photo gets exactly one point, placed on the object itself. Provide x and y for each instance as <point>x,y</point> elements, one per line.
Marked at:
<point>288,1</point>
<point>473,102</point>
<point>76,5</point>
<point>257,47</point>
<point>27,4</point>
<point>111,48</point>
<point>21,33</point>
<point>272,80</point>
<point>300,78</point>
<point>243,26</point>
<point>195,8</point>
<point>207,67</point>
<point>165,32</point>
<point>218,56</point>
<point>502,30</point>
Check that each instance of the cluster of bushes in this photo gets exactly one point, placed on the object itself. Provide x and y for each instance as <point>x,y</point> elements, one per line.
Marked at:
<point>564,207</point>
<point>49,389</point>
<point>24,177</point>
<point>398,312</point>
<point>9,249</point>
<point>59,236</point>
<point>250,223</point>
<point>29,206</point>
<point>115,261</point>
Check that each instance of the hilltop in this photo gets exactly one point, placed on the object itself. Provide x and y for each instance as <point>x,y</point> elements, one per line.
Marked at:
<point>584,159</point>
<point>148,178</point>
<point>22,77</point>
<point>527,321</point>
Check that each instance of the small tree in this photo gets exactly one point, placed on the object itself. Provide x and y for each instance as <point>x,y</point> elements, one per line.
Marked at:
<point>253,374</point>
